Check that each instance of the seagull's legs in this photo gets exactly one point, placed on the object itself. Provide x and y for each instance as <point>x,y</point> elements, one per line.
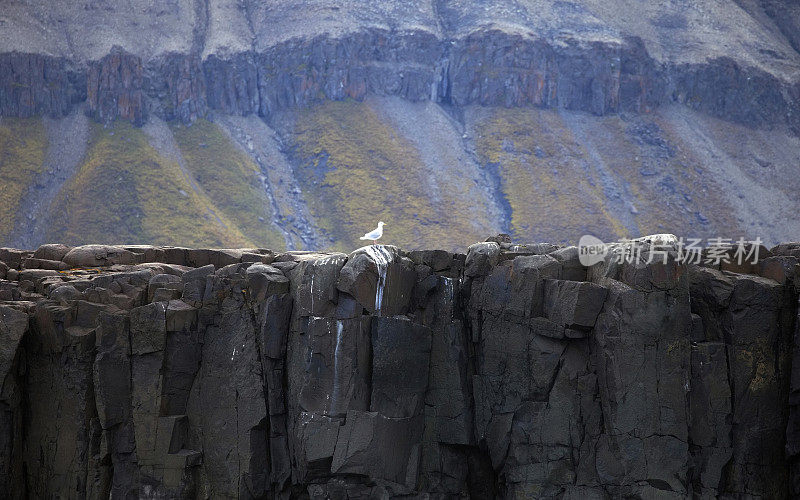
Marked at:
<point>374,242</point>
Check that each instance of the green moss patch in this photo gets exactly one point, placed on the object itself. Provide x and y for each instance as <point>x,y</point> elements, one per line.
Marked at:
<point>230,178</point>
<point>355,169</point>
<point>125,192</point>
<point>543,176</point>
<point>23,146</point>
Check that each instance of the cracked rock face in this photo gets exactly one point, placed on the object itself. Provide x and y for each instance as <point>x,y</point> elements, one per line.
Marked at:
<point>508,372</point>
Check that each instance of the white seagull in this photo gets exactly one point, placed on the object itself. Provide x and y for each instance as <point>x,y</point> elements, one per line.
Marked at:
<point>375,234</point>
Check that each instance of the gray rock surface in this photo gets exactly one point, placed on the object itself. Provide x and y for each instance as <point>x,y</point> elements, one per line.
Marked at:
<point>492,374</point>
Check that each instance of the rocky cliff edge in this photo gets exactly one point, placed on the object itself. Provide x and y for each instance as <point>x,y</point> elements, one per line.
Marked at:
<point>512,371</point>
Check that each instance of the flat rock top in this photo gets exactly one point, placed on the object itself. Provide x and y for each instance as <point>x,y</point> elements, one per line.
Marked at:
<point>281,20</point>
<point>672,30</point>
<point>87,30</point>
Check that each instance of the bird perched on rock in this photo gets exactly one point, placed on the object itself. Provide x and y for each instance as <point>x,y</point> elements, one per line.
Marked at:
<point>375,234</point>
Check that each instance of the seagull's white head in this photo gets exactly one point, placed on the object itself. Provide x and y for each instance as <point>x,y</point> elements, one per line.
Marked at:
<point>381,223</point>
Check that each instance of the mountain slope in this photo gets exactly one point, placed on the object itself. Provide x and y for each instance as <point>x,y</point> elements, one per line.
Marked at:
<point>230,179</point>
<point>355,167</point>
<point>432,176</point>
<point>124,192</point>
<point>300,124</point>
<point>23,145</point>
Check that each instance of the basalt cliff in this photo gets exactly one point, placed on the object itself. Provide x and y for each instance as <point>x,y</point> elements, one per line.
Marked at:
<point>511,371</point>
<point>180,60</point>
<point>293,124</point>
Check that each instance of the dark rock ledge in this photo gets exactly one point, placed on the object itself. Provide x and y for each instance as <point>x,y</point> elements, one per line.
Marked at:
<point>511,371</point>
<point>487,68</point>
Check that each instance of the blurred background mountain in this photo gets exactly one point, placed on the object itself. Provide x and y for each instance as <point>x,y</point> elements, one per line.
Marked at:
<point>299,124</point>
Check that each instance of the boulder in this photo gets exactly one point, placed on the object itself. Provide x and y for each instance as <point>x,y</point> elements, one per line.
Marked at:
<point>571,267</point>
<point>517,287</point>
<point>254,256</point>
<point>379,279</point>
<point>147,253</point>
<point>52,251</point>
<point>510,252</point>
<point>13,257</point>
<point>98,256</point>
<point>97,295</point>
<point>481,257</point>
<point>163,282</point>
<point>176,256</point>
<point>218,258</point>
<point>790,249</point>
<point>199,273</point>
<point>65,294</point>
<point>34,275</point>
<point>501,238</point>
<point>166,294</point>
<point>437,260</point>
<point>32,263</point>
<point>783,269</point>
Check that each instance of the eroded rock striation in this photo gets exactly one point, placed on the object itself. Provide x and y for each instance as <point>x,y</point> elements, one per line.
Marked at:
<point>734,60</point>
<point>510,372</point>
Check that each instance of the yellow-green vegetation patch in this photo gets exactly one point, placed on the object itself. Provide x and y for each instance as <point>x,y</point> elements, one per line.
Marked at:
<point>125,192</point>
<point>23,146</point>
<point>542,174</point>
<point>669,185</point>
<point>355,169</point>
<point>230,178</point>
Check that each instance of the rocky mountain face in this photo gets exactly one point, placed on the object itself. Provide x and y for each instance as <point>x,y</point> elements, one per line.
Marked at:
<point>545,120</point>
<point>510,371</point>
<point>570,55</point>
